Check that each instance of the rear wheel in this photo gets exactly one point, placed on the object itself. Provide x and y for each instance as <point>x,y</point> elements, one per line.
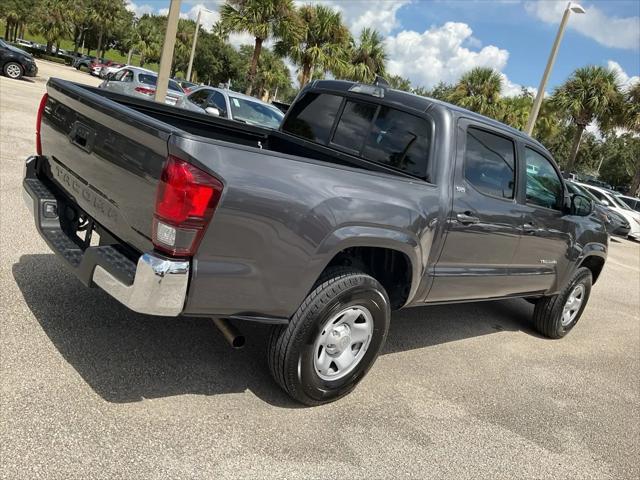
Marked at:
<point>13,70</point>
<point>332,340</point>
<point>555,316</point>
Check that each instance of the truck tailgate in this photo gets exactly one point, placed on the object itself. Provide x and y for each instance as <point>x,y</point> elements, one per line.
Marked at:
<point>107,157</point>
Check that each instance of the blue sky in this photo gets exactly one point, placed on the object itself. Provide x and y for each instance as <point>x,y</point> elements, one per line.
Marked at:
<point>432,40</point>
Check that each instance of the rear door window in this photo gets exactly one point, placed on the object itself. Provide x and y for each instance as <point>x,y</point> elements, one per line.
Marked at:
<point>312,117</point>
<point>489,163</point>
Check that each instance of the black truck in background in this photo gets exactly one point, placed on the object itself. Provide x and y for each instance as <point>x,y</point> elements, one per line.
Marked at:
<point>365,200</point>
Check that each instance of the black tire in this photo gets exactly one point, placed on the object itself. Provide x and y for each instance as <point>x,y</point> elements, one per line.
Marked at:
<point>547,315</point>
<point>13,70</point>
<point>291,347</point>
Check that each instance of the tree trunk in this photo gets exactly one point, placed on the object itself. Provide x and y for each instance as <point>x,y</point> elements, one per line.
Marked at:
<point>306,74</point>
<point>142,59</point>
<point>58,47</point>
<point>634,191</point>
<point>49,45</point>
<point>77,33</point>
<point>99,43</point>
<point>574,147</point>
<point>254,65</point>
<point>8,32</point>
<point>129,56</point>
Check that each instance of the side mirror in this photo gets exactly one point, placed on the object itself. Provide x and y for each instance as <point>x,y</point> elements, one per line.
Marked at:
<point>581,205</point>
<point>605,202</point>
<point>212,111</point>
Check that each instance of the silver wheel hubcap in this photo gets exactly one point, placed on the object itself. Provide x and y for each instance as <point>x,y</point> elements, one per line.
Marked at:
<point>342,342</point>
<point>573,304</point>
<point>13,70</point>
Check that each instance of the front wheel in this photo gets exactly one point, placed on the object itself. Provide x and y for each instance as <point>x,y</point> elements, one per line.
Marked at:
<point>13,70</point>
<point>332,340</point>
<point>555,316</point>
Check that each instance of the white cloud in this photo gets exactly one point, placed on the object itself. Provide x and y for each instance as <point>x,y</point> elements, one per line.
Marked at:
<point>208,18</point>
<point>625,80</point>
<point>377,14</point>
<point>438,54</point>
<point>139,10</point>
<point>608,31</point>
<point>511,89</point>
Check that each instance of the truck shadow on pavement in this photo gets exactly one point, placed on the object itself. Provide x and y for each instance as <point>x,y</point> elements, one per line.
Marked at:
<point>127,357</point>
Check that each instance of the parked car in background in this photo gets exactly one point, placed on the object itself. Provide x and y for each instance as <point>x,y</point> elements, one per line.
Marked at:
<point>24,43</point>
<point>632,202</point>
<point>223,103</point>
<point>616,224</point>
<point>86,62</point>
<point>140,82</point>
<point>611,201</point>
<point>16,63</point>
<point>106,70</point>
<point>188,87</point>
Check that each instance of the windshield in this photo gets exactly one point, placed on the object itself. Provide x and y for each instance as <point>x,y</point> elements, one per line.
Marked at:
<point>586,193</point>
<point>153,80</point>
<point>618,203</point>
<point>255,113</point>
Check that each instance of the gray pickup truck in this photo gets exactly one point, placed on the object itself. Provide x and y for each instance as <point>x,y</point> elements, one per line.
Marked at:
<point>366,200</point>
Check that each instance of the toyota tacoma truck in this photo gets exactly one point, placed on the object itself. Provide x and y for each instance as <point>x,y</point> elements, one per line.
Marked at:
<point>364,201</point>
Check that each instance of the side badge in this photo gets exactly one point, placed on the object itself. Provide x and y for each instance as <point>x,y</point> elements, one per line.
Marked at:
<point>460,189</point>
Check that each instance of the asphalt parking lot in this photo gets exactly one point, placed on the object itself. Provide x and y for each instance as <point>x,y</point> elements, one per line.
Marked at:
<point>91,390</point>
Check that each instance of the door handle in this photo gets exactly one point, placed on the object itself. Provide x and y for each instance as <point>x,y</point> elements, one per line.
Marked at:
<point>466,218</point>
<point>530,228</point>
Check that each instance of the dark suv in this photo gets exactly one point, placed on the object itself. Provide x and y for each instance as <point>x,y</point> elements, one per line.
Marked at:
<point>16,63</point>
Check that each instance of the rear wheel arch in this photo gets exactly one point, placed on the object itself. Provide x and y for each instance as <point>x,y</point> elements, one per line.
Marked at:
<point>392,268</point>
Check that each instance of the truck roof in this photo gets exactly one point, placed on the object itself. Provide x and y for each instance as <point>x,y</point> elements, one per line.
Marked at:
<point>418,102</point>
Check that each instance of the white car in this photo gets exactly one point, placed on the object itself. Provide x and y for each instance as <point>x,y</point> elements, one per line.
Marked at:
<point>24,43</point>
<point>618,206</point>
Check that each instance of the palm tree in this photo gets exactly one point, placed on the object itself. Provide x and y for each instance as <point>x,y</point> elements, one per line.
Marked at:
<point>631,121</point>
<point>52,21</point>
<point>591,94</point>
<point>322,43</point>
<point>478,90</point>
<point>149,39</point>
<point>401,83</point>
<point>368,57</point>
<point>514,111</point>
<point>262,19</point>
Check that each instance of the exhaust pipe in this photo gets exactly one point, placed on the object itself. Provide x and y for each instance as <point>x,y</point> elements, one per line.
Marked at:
<point>230,333</point>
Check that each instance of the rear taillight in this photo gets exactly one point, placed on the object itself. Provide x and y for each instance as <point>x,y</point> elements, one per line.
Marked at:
<point>43,103</point>
<point>186,200</point>
<point>145,90</point>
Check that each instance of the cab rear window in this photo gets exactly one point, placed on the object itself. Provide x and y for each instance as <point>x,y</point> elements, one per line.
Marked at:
<point>312,117</point>
<point>380,134</point>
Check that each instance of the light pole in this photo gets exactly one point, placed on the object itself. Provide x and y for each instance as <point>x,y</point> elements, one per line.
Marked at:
<point>195,41</point>
<point>166,58</point>
<point>571,7</point>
